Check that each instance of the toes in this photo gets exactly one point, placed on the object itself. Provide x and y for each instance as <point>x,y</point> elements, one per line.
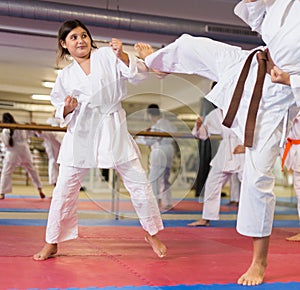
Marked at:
<point>38,257</point>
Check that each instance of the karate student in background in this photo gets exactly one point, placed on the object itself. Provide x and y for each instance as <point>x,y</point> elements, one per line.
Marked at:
<point>17,154</point>
<point>235,189</point>
<point>161,156</point>
<point>52,141</point>
<point>291,153</point>
<point>87,96</point>
<point>278,23</point>
<point>228,160</point>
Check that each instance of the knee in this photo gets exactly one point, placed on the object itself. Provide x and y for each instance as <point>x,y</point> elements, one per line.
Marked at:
<point>189,40</point>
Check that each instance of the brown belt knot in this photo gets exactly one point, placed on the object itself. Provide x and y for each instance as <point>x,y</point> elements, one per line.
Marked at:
<point>265,64</point>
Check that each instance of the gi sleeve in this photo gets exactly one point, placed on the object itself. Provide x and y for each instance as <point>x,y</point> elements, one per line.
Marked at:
<point>252,13</point>
<point>136,72</point>
<point>58,95</point>
<point>201,133</point>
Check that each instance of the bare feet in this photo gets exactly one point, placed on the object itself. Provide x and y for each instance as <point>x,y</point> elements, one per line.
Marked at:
<point>47,252</point>
<point>200,223</point>
<point>158,247</point>
<point>42,195</point>
<point>254,275</point>
<point>2,196</point>
<point>143,50</point>
<point>166,207</point>
<point>295,238</point>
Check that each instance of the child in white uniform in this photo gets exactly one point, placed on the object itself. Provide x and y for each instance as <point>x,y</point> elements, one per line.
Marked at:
<point>228,160</point>
<point>17,154</point>
<point>87,96</point>
<point>161,156</point>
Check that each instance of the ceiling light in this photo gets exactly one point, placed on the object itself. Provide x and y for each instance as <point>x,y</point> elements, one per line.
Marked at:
<point>189,117</point>
<point>48,84</point>
<point>41,97</point>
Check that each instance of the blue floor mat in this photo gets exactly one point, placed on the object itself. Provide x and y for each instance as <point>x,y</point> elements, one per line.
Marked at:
<point>265,286</point>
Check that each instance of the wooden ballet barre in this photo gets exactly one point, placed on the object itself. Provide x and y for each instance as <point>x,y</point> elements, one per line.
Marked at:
<point>134,133</point>
<point>32,127</point>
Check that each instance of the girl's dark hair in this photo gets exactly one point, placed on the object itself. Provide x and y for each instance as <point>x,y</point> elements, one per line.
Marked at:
<point>153,110</point>
<point>63,32</point>
<point>8,118</point>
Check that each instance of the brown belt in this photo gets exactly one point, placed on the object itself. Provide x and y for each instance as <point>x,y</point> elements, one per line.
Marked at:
<point>265,64</point>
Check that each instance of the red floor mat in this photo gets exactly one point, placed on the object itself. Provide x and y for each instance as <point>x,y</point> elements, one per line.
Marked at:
<point>118,256</point>
<point>182,206</point>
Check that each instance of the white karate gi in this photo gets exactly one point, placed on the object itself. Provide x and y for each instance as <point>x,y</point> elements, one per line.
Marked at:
<point>292,161</point>
<point>223,165</point>
<point>51,143</point>
<point>97,136</point>
<point>223,63</point>
<point>160,160</point>
<point>235,187</point>
<point>18,155</point>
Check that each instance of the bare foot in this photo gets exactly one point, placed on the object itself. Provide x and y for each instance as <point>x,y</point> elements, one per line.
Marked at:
<point>47,252</point>
<point>254,276</point>
<point>2,196</point>
<point>233,203</point>
<point>143,50</point>
<point>166,207</point>
<point>42,195</point>
<point>295,238</point>
<point>199,223</point>
<point>158,247</point>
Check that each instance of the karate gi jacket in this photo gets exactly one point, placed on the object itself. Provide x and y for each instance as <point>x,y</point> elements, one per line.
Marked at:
<point>97,134</point>
<point>224,158</point>
<point>160,145</point>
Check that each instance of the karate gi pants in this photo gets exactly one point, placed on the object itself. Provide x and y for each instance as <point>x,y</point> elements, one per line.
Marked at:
<point>63,220</point>
<point>235,187</point>
<point>159,178</point>
<point>7,171</point>
<point>215,181</point>
<point>257,199</point>
<point>161,159</point>
<point>53,169</point>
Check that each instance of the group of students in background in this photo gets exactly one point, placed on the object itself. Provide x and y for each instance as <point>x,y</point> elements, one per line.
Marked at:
<point>97,134</point>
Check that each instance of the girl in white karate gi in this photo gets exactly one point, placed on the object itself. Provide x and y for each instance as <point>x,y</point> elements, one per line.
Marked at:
<point>278,22</point>
<point>87,96</point>
<point>228,160</point>
<point>161,157</point>
<point>17,154</point>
